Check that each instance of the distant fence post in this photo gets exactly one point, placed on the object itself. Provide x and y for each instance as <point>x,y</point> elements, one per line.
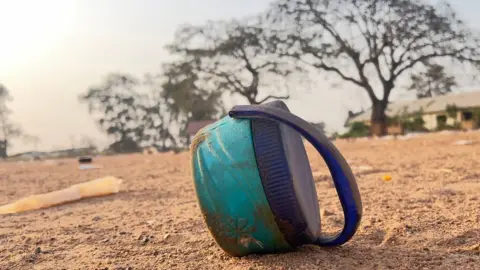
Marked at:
<point>3,149</point>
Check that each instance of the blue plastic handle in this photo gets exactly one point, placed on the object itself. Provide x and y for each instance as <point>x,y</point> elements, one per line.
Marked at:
<point>342,175</point>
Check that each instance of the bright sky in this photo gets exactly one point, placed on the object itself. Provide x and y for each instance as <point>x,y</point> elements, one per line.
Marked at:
<point>52,50</point>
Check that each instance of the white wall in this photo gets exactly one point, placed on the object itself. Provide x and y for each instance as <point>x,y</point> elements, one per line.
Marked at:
<point>430,121</point>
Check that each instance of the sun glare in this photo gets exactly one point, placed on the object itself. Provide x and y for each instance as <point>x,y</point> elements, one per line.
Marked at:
<point>28,28</point>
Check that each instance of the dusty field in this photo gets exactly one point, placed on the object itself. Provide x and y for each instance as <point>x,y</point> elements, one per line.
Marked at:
<point>426,217</point>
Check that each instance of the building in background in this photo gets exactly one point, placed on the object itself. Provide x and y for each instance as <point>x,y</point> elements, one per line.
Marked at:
<point>194,126</point>
<point>456,110</point>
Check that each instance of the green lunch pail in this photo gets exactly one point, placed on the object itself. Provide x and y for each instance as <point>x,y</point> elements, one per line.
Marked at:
<point>255,186</point>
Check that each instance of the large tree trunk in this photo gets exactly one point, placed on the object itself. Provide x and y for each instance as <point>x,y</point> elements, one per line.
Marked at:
<point>379,118</point>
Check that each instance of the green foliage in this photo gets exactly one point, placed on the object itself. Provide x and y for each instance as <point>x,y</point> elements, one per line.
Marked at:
<point>452,110</point>
<point>417,124</point>
<point>357,129</point>
<point>433,82</point>
<point>129,116</point>
<point>157,117</point>
<point>444,126</point>
<point>184,96</point>
<point>409,121</point>
<point>186,99</point>
<point>476,115</point>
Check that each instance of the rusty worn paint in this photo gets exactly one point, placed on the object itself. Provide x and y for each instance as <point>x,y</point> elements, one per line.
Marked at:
<point>199,138</point>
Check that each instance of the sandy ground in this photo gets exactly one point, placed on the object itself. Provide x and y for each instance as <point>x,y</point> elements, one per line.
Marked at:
<point>426,217</point>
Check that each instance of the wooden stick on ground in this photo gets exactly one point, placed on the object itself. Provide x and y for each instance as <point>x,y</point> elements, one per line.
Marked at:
<point>95,188</point>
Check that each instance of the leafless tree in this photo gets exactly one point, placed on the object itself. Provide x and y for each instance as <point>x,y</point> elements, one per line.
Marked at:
<point>235,57</point>
<point>372,43</point>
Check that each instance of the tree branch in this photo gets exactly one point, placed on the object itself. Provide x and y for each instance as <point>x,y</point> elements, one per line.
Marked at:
<point>363,85</point>
<point>273,96</point>
<point>425,57</point>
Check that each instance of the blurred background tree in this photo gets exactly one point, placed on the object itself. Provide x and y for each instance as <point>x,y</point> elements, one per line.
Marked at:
<point>186,99</point>
<point>372,44</point>
<point>8,129</point>
<point>433,82</point>
<point>235,57</point>
<point>120,111</point>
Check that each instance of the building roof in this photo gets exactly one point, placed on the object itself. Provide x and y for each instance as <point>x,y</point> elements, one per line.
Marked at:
<point>428,105</point>
<point>194,126</point>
